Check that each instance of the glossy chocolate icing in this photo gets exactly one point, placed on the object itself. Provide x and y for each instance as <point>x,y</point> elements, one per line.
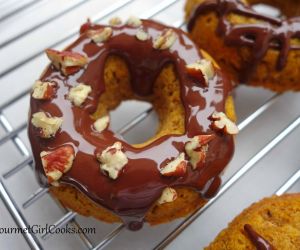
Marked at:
<point>140,184</point>
<point>270,32</point>
<point>257,240</point>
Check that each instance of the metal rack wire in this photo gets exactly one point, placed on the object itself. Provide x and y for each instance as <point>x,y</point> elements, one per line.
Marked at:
<point>12,135</point>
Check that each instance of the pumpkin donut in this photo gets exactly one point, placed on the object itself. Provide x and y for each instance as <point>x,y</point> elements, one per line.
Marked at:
<point>253,48</point>
<point>91,169</point>
<point>272,223</point>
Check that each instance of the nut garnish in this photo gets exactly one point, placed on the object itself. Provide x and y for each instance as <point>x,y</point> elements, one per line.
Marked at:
<point>142,35</point>
<point>57,162</point>
<point>48,125</point>
<point>177,167</point>
<point>78,94</point>
<point>43,90</point>
<point>165,40</point>
<point>168,195</point>
<point>112,160</point>
<point>196,149</point>
<point>134,22</point>
<point>100,35</point>
<point>222,122</point>
<point>115,21</point>
<point>66,61</point>
<point>101,123</point>
<point>201,69</point>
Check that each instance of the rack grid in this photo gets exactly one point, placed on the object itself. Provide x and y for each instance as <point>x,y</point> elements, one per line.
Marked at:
<point>257,108</point>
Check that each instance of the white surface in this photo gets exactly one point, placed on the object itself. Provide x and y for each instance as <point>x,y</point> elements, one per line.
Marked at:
<point>278,165</point>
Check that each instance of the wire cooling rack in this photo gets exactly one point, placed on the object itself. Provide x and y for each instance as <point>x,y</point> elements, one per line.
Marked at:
<point>266,161</point>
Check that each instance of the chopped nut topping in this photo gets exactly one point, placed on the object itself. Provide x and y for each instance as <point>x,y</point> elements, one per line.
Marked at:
<point>168,195</point>
<point>134,22</point>
<point>176,167</point>
<point>43,90</point>
<point>55,57</point>
<point>115,21</point>
<point>201,69</point>
<point>48,125</point>
<point>100,35</point>
<point>196,149</point>
<point>57,162</point>
<point>165,40</point>
<point>112,160</point>
<point>78,94</point>
<point>222,122</point>
<point>101,123</point>
<point>66,61</point>
<point>142,35</point>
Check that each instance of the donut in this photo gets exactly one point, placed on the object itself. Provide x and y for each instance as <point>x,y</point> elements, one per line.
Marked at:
<point>253,48</point>
<point>272,223</point>
<point>91,169</point>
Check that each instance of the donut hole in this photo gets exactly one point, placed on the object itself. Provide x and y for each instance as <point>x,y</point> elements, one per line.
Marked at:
<point>165,99</point>
<point>124,120</point>
<point>276,8</point>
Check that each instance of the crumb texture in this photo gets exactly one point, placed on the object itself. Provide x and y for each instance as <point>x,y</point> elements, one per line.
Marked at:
<point>276,219</point>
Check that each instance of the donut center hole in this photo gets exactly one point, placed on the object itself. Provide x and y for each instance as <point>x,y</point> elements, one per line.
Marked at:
<point>135,121</point>
<point>123,104</point>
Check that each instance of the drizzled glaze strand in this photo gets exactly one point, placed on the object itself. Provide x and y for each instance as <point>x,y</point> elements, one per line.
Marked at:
<point>140,184</point>
<point>257,240</point>
<point>271,33</point>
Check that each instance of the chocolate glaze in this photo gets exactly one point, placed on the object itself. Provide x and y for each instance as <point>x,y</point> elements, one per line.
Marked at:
<point>271,32</point>
<point>257,240</point>
<point>140,183</point>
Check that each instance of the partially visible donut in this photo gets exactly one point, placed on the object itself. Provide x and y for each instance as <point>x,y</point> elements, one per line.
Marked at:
<point>270,224</point>
<point>252,47</point>
<point>94,171</point>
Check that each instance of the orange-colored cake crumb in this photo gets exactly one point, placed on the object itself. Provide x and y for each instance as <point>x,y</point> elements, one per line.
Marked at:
<point>276,219</point>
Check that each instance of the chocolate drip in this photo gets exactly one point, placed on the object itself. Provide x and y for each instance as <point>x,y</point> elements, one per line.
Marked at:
<point>271,32</point>
<point>259,242</point>
<point>140,184</point>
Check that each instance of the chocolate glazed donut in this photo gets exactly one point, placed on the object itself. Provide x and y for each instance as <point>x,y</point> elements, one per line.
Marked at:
<point>140,182</point>
<point>271,41</point>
